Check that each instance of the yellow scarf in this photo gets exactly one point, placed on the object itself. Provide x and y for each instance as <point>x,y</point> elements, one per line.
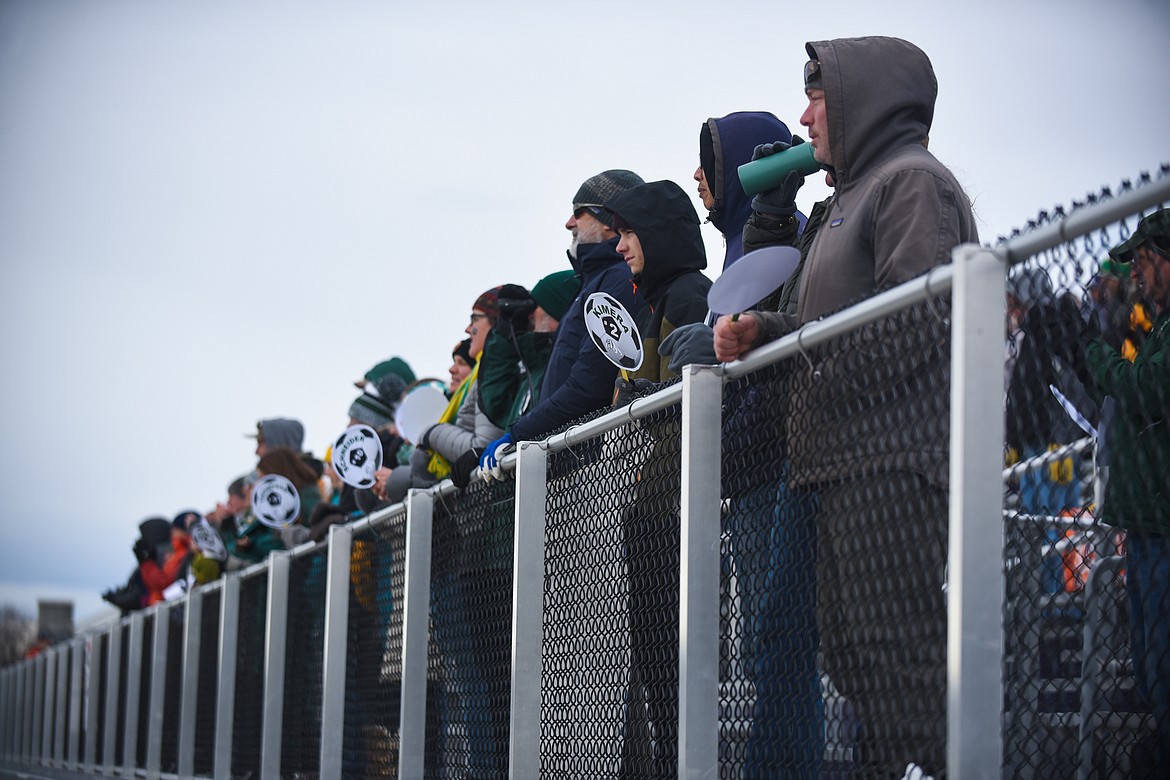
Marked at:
<point>438,466</point>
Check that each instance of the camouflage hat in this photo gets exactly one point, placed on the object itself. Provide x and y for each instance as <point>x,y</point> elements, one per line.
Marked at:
<point>1152,229</point>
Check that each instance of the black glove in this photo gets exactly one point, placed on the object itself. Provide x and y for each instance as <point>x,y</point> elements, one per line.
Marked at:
<point>462,469</point>
<point>694,343</point>
<point>779,202</point>
<point>628,390</point>
<point>142,551</point>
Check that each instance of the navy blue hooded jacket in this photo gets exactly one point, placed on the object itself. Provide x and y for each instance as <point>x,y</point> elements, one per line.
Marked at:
<point>579,379</point>
<point>725,143</point>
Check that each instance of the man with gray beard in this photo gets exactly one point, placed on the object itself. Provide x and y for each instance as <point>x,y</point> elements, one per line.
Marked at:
<point>579,378</point>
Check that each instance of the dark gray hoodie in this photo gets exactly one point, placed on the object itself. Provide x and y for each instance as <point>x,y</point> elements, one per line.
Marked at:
<point>882,403</point>
<point>897,211</point>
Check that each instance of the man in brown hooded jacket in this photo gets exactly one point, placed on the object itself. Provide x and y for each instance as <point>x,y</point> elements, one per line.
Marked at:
<point>868,429</point>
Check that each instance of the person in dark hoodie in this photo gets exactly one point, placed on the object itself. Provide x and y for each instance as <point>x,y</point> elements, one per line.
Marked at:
<point>880,472</point>
<point>770,526</point>
<point>579,379</point>
<point>725,143</point>
<point>663,248</point>
<point>660,240</point>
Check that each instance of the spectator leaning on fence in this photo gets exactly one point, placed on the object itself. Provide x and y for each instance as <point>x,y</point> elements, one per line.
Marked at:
<point>770,524</point>
<point>725,143</point>
<point>1137,496</point>
<point>579,378</point>
<point>896,213</point>
<point>662,245</point>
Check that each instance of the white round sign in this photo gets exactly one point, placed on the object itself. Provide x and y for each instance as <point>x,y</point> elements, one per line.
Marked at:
<point>208,539</point>
<point>422,408</point>
<point>613,331</point>
<point>752,278</point>
<point>357,455</point>
<point>275,501</point>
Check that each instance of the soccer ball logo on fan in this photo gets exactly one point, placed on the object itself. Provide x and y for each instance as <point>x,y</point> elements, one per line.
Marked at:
<point>613,331</point>
<point>275,501</point>
<point>357,456</point>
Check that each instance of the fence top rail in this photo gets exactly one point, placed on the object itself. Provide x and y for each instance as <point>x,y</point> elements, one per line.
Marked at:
<point>1083,221</point>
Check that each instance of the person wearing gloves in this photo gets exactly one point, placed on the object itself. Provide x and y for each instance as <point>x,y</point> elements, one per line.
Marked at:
<point>661,243</point>
<point>579,379</point>
<point>459,429</point>
<point>725,143</point>
<point>897,212</point>
<point>747,224</point>
<point>771,536</point>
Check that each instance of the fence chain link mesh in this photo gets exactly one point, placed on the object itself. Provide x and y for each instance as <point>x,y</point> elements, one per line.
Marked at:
<point>469,669</point>
<point>373,676</point>
<point>610,655</point>
<point>1081,434</point>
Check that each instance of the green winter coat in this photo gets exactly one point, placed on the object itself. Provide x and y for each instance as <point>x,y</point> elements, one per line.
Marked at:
<point>510,374</point>
<point>1137,495</point>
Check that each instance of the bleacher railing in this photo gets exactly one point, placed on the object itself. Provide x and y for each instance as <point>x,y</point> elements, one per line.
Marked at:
<point>636,598</point>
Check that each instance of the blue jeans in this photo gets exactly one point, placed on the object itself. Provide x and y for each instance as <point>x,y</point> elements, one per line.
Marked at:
<point>773,540</point>
<point>1148,585</point>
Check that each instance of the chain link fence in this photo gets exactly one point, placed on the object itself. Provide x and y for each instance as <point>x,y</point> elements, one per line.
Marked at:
<point>831,594</point>
<point>1074,701</point>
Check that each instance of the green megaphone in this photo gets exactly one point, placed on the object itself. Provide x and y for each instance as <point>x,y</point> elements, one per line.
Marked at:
<point>768,172</point>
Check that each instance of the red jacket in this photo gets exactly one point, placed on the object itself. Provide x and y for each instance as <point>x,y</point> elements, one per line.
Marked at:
<point>157,578</point>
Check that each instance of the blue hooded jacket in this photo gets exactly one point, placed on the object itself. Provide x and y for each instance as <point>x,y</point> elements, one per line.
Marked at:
<point>579,379</point>
<point>725,143</point>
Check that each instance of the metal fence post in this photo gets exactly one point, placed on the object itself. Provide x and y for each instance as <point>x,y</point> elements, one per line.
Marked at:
<point>188,706</point>
<point>698,732</point>
<point>334,662</point>
<point>275,642</point>
<point>49,696</point>
<point>114,684</point>
<point>415,633</point>
<point>528,610</point>
<point>94,659</point>
<point>133,692</point>
<point>61,699</point>
<point>76,684</point>
<point>34,688</point>
<point>6,715</point>
<point>975,589</point>
<point>225,691</point>
<point>158,689</point>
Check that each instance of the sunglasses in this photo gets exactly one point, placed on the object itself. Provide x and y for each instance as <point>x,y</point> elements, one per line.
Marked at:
<point>587,208</point>
<point>812,72</point>
<point>475,316</point>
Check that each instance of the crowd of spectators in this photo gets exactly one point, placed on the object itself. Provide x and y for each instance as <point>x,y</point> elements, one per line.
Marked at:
<point>528,366</point>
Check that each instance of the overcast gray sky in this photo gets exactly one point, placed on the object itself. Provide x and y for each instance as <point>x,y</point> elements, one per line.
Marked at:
<point>214,212</point>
